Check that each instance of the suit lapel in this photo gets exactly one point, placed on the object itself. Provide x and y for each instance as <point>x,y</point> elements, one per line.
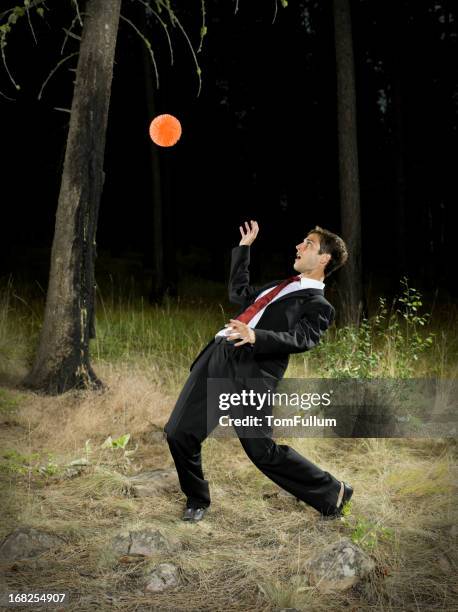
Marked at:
<point>304,293</point>
<point>301,293</point>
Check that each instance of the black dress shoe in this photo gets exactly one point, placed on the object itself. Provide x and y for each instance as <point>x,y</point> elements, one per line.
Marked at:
<point>336,512</point>
<point>193,514</point>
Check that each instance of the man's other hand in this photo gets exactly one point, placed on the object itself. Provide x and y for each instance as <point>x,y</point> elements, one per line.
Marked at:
<point>250,233</point>
<point>240,331</point>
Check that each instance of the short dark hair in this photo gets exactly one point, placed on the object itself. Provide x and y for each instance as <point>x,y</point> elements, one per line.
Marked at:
<point>333,245</point>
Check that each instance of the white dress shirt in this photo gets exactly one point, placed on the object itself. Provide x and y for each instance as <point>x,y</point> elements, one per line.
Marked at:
<point>303,283</point>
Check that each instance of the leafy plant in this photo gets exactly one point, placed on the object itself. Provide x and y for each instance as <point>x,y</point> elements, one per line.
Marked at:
<point>8,402</point>
<point>49,469</point>
<point>388,345</point>
<point>367,534</point>
<point>14,462</point>
<point>120,442</point>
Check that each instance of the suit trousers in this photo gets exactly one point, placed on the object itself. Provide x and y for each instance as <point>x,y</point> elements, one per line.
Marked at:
<point>193,418</point>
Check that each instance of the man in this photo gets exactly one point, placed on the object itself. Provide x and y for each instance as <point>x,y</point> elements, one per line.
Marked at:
<point>278,319</point>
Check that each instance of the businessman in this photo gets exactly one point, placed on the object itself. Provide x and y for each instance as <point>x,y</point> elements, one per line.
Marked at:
<point>278,319</point>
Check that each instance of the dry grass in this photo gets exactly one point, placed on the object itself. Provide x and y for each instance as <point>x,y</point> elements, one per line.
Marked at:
<point>250,551</point>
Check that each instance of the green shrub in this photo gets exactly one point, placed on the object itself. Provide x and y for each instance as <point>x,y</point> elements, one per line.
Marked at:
<point>387,345</point>
<point>367,534</point>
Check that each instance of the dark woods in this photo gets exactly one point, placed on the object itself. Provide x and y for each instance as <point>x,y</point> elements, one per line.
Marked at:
<point>261,141</point>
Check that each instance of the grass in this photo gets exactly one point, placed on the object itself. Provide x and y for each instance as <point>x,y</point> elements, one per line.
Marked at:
<point>250,552</point>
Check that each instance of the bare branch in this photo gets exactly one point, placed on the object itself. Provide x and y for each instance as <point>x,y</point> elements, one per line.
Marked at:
<point>7,97</point>
<point>275,11</point>
<point>27,10</point>
<point>54,70</point>
<point>67,32</point>
<point>174,19</point>
<point>198,70</point>
<point>203,29</point>
<point>75,36</point>
<point>148,46</point>
<point>32,4</point>
<point>78,14</point>
<point>2,46</point>
<point>13,14</point>
<point>64,110</point>
<point>284,4</point>
<point>163,24</point>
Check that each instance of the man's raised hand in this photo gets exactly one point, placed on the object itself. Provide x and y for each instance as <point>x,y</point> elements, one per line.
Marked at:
<point>250,233</point>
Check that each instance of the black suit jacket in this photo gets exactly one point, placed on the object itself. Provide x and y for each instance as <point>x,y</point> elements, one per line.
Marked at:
<point>293,323</point>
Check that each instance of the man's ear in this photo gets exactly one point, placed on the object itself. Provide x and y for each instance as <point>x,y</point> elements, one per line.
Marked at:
<point>325,258</point>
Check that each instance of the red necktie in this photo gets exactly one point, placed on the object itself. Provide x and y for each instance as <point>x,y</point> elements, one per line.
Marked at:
<point>260,303</point>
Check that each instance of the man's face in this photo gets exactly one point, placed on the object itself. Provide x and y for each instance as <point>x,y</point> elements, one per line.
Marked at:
<point>308,258</point>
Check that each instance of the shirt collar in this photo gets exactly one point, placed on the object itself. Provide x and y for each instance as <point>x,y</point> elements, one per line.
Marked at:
<point>311,283</point>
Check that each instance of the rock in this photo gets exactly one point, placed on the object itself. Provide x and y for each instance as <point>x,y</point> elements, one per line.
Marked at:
<point>144,542</point>
<point>76,467</point>
<point>148,542</point>
<point>82,461</point>
<point>164,576</point>
<point>72,472</point>
<point>148,484</point>
<point>27,542</point>
<point>445,564</point>
<point>339,566</point>
<point>121,543</point>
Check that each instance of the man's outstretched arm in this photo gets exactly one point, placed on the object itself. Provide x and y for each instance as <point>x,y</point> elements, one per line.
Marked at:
<point>240,290</point>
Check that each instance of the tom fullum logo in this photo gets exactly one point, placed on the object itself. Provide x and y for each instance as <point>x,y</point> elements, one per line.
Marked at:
<point>273,421</point>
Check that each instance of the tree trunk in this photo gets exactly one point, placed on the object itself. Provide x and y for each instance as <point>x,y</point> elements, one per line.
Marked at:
<point>158,280</point>
<point>350,275</point>
<point>170,224</point>
<point>400,178</point>
<point>396,65</point>
<point>62,361</point>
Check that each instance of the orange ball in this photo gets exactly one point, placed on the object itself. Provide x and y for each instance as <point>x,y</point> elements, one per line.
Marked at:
<point>165,130</point>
